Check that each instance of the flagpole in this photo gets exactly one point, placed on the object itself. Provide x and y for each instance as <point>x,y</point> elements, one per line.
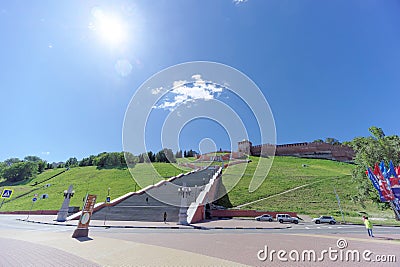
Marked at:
<point>396,212</point>
<point>338,200</point>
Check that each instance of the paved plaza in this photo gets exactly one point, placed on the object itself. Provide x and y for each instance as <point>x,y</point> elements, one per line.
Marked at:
<point>215,243</point>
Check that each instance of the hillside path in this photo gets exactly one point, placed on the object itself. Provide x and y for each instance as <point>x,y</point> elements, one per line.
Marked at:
<point>281,193</point>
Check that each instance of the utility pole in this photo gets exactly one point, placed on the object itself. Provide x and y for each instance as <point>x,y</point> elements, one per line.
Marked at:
<point>338,200</point>
<point>108,200</point>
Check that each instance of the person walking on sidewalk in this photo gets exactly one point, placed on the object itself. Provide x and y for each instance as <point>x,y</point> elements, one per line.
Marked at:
<point>165,217</point>
<point>368,225</point>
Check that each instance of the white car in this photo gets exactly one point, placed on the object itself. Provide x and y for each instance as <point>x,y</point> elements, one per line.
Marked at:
<point>264,217</point>
<point>286,218</point>
<point>324,219</point>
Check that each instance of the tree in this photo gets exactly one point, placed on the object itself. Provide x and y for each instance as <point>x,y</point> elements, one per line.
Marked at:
<point>60,165</point>
<point>71,162</point>
<point>20,171</point>
<point>11,161</point>
<point>368,151</point>
<point>160,156</point>
<point>178,154</point>
<point>165,155</point>
<point>87,161</point>
<point>130,159</point>
<point>41,166</point>
<point>318,141</point>
<point>2,167</point>
<point>33,158</point>
<point>106,160</point>
<point>332,141</point>
<point>151,156</point>
<point>141,158</point>
<point>169,155</point>
<point>113,159</point>
<point>190,153</point>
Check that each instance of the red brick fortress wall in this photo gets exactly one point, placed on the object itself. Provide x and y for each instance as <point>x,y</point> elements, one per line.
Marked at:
<point>309,150</point>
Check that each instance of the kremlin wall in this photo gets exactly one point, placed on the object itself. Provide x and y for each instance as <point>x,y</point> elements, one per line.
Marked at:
<point>318,150</point>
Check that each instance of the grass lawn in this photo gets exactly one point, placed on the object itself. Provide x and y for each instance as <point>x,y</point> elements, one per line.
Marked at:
<point>318,182</point>
<point>84,179</point>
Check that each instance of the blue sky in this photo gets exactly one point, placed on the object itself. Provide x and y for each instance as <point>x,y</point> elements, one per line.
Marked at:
<point>70,68</point>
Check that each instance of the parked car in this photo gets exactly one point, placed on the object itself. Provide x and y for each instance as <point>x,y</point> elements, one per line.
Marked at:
<point>264,217</point>
<point>286,218</point>
<point>324,219</point>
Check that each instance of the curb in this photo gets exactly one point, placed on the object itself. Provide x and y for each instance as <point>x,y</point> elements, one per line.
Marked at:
<point>361,224</point>
<point>160,227</point>
<point>109,226</point>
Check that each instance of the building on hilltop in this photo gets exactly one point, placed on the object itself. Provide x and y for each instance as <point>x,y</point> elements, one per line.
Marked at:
<point>245,147</point>
<point>316,150</point>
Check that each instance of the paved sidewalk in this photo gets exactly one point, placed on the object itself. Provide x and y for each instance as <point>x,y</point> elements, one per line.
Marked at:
<point>59,249</point>
<point>23,253</point>
<point>53,246</point>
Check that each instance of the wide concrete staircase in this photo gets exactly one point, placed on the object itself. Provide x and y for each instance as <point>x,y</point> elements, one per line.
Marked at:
<point>150,204</point>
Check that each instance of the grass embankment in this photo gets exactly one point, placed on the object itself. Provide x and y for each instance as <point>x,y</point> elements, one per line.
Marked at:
<point>317,179</point>
<point>84,179</point>
<point>314,179</point>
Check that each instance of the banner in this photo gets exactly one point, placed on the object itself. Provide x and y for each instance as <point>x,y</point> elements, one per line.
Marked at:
<point>386,181</point>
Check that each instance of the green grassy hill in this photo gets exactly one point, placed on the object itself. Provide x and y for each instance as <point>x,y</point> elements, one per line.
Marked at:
<point>84,179</point>
<point>305,186</point>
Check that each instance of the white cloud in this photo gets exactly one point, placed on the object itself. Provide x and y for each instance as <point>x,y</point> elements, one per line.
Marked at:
<point>237,2</point>
<point>186,92</point>
<point>178,83</point>
<point>156,91</point>
<point>196,77</point>
<point>46,153</point>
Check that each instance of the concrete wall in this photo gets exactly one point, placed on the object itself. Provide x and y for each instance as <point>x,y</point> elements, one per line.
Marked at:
<point>196,210</point>
<point>121,213</point>
<point>247,213</point>
<point>33,212</point>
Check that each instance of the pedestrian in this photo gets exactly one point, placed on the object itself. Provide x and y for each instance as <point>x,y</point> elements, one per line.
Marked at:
<point>165,217</point>
<point>368,225</point>
<point>147,200</point>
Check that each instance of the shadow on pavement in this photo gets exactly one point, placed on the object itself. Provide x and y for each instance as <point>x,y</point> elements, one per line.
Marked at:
<point>386,238</point>
<point>84,239</point>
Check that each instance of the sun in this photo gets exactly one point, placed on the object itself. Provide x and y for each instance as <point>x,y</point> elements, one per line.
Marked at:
<point>109,27</point>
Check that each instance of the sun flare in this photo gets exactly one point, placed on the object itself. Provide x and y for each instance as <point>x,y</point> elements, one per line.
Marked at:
<point>110,27</point>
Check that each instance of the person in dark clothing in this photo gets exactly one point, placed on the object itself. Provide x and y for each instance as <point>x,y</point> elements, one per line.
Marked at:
<point>165,217</point>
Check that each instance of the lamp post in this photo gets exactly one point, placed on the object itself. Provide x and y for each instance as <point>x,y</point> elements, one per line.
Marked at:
<point>108,200</point>
<point>33,202</point>
<point>185,192</point>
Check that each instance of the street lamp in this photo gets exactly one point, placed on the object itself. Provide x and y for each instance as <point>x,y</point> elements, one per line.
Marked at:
<point>185,192</point>
<point>68,194</point>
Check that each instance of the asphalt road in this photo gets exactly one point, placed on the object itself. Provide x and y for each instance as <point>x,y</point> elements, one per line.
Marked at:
<point>10,222</point>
